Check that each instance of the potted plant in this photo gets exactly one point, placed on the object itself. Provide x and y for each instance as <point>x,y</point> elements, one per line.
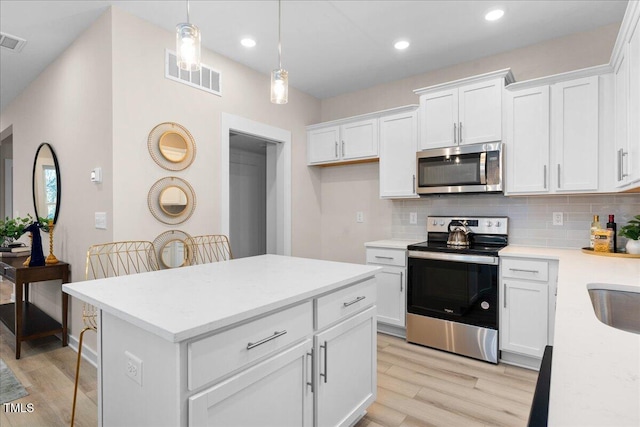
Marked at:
<point>632,232</point>
<point>12,228</point>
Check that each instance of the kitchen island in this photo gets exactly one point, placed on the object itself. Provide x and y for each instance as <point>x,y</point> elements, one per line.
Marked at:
<point>595,370</point>
<point>267,340</point>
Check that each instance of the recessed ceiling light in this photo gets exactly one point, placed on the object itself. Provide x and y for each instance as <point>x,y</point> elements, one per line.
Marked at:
<point>494,15</point>
<point>401,45</point>
<point>247,42</point>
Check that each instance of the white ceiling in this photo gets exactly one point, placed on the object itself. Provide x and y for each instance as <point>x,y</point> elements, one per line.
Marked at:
<point>328,47</point>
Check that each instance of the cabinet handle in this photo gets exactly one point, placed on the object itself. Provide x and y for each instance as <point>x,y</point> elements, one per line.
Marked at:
<point>347,304</point>
<point>325,362</point>
<point>620,164</point>
<point>401,274</point>
<point>504,298</point>
<point>460,133</point>
<point>384,257</point>
<point>559,175</point>
<point>342,151</point>
<point>525,271</point>
<point>310,383</point>
<point>275,335</point>
<point>455,133</point>
<point>622,155</point>
<point>336,149</point>
<point>414,184</point>
<point>544,175</point>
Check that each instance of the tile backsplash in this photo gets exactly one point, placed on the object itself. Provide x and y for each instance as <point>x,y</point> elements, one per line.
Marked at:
<point>530,218</point>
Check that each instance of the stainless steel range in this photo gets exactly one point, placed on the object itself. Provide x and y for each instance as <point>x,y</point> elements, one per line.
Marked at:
<point>452,299</point>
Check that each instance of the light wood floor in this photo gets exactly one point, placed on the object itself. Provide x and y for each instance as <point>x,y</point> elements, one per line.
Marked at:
<point>417,386</point>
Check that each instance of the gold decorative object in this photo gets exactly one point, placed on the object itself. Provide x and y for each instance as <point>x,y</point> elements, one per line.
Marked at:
<point>111,260</point>
<point>171,146</point>
<point>171,200</point>
<point>172,249</point>
<point>209,248</point>
<point>51,258</point>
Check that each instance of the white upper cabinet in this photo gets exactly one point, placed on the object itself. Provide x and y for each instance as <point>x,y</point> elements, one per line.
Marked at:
<point>359,139</point>
<point>626,63</point>
<point>398,146</point>
<point>527,153</point>
<point>467,111</point>
<point>552,137</point>
<point>574,121</point>
<point>323,144</point>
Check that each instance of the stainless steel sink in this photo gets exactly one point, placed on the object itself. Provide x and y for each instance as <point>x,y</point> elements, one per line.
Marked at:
<point>617,308</point>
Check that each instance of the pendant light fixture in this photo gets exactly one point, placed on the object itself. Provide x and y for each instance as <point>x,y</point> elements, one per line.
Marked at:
<point>279,77</point>
<point>188,45</point>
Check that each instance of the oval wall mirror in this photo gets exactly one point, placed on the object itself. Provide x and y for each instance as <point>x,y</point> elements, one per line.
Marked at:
<point>46,183</point>
<point>173,146</point>
<point>173,201</point>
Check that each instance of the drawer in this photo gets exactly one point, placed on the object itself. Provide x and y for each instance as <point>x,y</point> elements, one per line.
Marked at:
<point>384,256</point>
<point>525,269</point>
<point>345,302</point>
<point>217,355</point>
<point>8,272</point>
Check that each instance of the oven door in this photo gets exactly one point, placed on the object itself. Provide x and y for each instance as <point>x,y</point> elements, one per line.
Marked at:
<point>461,288</point>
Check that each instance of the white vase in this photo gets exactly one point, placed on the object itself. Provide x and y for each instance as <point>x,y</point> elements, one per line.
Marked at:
<point>633,247</point>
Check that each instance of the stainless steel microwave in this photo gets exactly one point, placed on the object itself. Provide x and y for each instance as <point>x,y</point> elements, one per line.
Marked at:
<point>473,168</point>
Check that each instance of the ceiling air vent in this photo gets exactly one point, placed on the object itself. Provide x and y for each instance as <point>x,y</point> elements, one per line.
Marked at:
<point>206,79</point>
<point>12,43</point>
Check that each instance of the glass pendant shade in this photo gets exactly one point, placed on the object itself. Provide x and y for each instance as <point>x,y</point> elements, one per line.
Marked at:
<point>188,47</point>
<point>279,86</point>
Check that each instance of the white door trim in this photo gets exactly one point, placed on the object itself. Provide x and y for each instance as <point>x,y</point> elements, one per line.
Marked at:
<point>230,122</point>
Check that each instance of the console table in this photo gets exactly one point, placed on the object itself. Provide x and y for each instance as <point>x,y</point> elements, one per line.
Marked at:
<point>25,320</point>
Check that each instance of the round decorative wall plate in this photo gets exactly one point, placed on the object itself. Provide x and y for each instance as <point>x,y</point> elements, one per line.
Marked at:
<point>172,249</point>
<point>171,200</point>
<point>171,146</point>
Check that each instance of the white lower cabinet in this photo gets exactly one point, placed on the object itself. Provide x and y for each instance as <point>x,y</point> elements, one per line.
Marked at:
<point>391,286</point>
<point>276,392</point>
<point>345,384</point>
<point>527,308</point>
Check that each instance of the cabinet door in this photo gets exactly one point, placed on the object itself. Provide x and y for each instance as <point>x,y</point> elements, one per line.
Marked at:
<point>398,146</point>
<point>346,370</point>
<point>439,122</point>
<point>524,317</point>
<point>621,76</point>
<point>273,393</point>
<point>633,162</point>
<point>359,139</point>
<point>391,283</point>
<point>527,143</point>
<point>480,112</point>
<point>574,120</point>
<point>323,145</point>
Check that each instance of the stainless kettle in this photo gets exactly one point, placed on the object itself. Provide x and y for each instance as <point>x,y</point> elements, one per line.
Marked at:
<point>459,235</point>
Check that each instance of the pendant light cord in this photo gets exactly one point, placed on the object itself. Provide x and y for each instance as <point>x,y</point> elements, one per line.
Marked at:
<point>188,20</point>
<point>279,34</point>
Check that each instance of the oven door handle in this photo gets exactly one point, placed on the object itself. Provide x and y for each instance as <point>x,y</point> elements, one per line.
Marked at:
<point>445,256</point>
<point>483,168</point>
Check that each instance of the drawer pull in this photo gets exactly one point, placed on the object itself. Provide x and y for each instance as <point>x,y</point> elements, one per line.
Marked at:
<point>275,335</point>
<point>384,257</point>
<point>325,362</point>
<point>525,271</point>
<point>347,304</point>
<point>310,383</point>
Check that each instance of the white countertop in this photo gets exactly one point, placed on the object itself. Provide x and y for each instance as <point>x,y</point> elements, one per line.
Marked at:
<point>595,373</point>
<point>393,243</point>
<point>181,303</point>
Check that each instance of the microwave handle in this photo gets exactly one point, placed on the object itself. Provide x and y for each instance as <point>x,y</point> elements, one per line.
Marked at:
<point>483,168</point>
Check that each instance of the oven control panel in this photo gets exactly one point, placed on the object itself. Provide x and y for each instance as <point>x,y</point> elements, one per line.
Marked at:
<point>477,225</point>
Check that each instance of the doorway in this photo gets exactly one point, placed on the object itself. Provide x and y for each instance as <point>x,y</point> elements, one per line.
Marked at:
<point>6,173</point>
<point>252,190</point>
<point>243,141</point>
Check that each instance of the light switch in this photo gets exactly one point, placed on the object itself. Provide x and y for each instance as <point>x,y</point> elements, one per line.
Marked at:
<point>101,220</point>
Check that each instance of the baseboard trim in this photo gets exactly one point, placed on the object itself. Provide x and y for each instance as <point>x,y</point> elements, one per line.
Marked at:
<point>88,354</point>
<point>396,331</point>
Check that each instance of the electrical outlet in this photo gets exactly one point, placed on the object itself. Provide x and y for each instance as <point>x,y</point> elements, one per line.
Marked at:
<point>359,216</point>
<point>413,217</point>
<point>133,367</point>
<point>558,218</point>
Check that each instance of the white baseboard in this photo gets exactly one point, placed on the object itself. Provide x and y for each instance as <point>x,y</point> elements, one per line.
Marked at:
<point>88,354</point>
